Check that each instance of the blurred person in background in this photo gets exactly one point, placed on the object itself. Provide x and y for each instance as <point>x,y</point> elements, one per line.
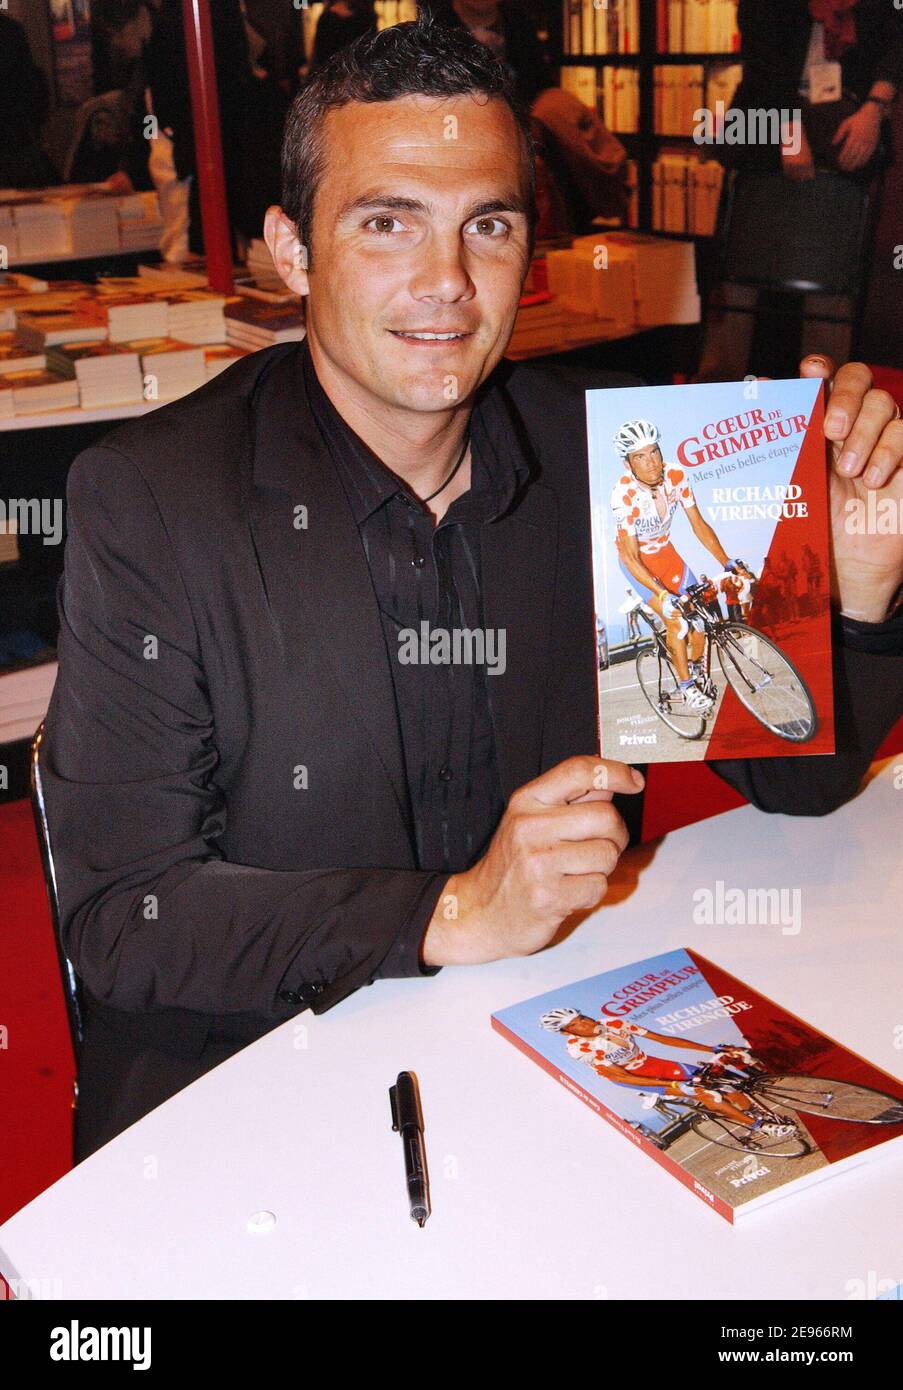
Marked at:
<point>581,168</point>
<point>836,65</point>
<point>840,62</point>
<point>120,30</point>
<point>507,28</point>
<point>341,22</point>
<point>24,104</point>
<point>281,51</point>
<point>251,113</point>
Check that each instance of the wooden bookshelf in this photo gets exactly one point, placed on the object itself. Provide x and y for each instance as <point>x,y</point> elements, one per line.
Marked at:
<point>645,143</point>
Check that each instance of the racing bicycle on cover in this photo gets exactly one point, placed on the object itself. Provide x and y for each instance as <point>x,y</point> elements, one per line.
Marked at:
<point>762,677</point>
<point>775,1096</point>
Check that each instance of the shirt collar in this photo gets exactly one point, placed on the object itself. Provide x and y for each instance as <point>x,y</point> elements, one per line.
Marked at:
<point>499,466</point>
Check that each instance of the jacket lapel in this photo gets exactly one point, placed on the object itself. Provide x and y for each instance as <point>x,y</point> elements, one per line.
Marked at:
<point>518,553</point>
<point>518,567</point>
<point>314,569</point>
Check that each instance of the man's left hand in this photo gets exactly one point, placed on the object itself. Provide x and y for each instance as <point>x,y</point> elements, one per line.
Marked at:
<point>866,434</point>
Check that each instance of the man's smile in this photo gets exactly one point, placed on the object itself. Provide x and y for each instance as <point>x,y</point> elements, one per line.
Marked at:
<point>430,337</point>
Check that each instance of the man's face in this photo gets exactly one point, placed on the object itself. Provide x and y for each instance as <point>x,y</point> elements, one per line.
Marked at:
<point>420,225</point>
<point>647,464</point>
<point>583,1027</point>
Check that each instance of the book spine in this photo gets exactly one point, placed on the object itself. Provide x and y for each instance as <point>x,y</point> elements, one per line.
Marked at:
<point>639,1140</point>
<point>588,27</point>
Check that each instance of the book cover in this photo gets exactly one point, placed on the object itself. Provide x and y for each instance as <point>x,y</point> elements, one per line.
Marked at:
<point>737,1098</point>
<point>710,567</point>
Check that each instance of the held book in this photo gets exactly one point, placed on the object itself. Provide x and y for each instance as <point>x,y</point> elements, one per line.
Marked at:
<point>737,1098</point>
<point>710,570</point>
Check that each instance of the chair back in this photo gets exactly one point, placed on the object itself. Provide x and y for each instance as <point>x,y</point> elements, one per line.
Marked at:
<point>71,985</point>
<point>772,232</point>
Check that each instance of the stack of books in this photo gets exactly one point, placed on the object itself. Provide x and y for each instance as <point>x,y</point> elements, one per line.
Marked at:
<point>131,316</point>
<point>260,262</point>
<point>196,316</point>
<point>16,299</point>
<point>170,369</point>
<point>633,280</point>
<point>35,392</point>
<point>219,357</point>
<point>76,220</point>
<point>42,229</point>
<point>139,221</point>
<point>253,324</point>
<point>106,373</point>
<point>93,223</point>
<point>43,328</point>
<point>664,274</point>
<point>14,358</point>
<point>589,279</point>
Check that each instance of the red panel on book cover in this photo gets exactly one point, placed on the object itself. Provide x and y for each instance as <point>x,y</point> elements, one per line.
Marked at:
<point>777,612</point>
<point>785,1044</point>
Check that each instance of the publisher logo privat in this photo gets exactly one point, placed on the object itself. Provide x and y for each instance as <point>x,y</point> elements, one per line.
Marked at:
<point>749,1177</point>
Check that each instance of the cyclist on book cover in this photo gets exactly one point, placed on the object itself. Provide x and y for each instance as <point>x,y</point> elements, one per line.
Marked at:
<point>611,1048</point>
<point>644,502</point>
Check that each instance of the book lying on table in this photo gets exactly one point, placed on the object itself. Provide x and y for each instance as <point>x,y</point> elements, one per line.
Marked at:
<point>710,570</point>
<point>740,1100</point>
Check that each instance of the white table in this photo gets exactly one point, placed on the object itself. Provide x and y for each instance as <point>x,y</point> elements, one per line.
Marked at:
<point>533,1195</point>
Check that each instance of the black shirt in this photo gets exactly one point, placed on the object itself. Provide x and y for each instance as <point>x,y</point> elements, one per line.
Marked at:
<point>426,580</point>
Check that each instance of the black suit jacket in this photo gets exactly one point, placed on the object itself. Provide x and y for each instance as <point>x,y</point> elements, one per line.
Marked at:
<point>223,771</point>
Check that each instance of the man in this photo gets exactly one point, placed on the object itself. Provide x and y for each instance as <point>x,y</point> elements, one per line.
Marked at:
<point>644,502</point>
<point>610,1047</point>
<point>256,806</point>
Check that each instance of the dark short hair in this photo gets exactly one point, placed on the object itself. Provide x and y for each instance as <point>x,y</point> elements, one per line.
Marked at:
<point>421,57</point>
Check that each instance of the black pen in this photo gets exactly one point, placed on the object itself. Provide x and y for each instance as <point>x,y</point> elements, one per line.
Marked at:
<point>407,1120</point>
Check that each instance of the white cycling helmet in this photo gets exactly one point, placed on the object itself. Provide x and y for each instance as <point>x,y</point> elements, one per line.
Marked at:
<point>557,1019</point>
<point>636,434</point>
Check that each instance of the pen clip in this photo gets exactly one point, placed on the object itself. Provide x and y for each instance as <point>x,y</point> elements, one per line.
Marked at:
<point>393,1101</point>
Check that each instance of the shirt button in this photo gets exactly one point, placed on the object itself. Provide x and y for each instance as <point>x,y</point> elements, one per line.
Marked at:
<point>445,774</point>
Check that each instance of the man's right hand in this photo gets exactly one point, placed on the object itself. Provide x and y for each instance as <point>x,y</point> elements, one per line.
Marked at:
<point>555,847</point>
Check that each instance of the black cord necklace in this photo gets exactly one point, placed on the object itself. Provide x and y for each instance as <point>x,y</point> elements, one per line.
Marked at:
<point>452,473</point>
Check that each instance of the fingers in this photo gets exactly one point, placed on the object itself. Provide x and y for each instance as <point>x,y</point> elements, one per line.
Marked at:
<point>583,821</point>
<point>585,857</point>
<point>848,392</point>
<point>855,455</point>
<point>582,892</point>
<point>815,365</point>
<point>886,457</point>
<point>576,778</point>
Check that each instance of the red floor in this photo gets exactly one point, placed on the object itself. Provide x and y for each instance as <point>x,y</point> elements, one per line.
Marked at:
<point>36,1063</point>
